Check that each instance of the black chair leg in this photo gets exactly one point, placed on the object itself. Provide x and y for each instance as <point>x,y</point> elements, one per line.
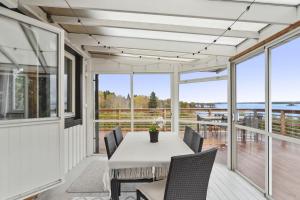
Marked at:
<point>119,187</point>
<point>138,195</point>
<point>114,189</point>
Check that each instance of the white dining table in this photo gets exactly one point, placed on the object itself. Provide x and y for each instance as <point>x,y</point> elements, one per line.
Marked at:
<point>136,158</point>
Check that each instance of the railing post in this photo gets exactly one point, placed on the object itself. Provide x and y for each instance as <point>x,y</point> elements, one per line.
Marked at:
<point>119,113</point>
<point>282,126</point>
<point>164,116</point>
<point>282,123</point>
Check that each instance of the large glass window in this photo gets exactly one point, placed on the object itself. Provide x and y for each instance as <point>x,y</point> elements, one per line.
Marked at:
<point>152,99</point>
<point>285,96</point>
<point>254,141</point>
<point>250,92</point>
<point>285,93</point>
<point>114,105</point>
<point>203,106</point>
<point>28,71</point>
<point>250,109</point>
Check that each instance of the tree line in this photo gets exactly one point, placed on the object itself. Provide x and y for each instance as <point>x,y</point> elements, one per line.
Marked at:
<point>108,99</point>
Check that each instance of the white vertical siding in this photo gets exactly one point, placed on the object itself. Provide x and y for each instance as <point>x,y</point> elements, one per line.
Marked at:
<point>30,157</point>
<point>75,145</point>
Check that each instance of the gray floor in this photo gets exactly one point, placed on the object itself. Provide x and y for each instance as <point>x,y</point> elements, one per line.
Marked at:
<point>224,185</point>
<point>59,193</point>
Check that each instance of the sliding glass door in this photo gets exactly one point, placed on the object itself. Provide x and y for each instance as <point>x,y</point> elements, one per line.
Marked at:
<point>266,121</point>
<point>285,119</point>
<point>250,112</point>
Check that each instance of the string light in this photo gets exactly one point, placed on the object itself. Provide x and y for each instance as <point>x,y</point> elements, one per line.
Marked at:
<point>229,28</point>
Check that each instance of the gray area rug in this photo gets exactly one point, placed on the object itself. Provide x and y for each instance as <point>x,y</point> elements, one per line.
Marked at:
<point>122,197</point>
<point>90,181</point>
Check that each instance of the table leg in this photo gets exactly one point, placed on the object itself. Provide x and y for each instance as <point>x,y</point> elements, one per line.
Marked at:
<point>205,130</point>
<point>114,184</point>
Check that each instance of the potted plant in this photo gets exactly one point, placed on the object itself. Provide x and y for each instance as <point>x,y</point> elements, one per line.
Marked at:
<point>154,129</point>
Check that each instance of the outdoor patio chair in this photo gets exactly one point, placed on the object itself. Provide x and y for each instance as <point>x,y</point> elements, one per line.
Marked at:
<point>188,135</point>
<point>110,144</point>
<point>188,179</point>
<point>118,135</point>
<point>197,142</point>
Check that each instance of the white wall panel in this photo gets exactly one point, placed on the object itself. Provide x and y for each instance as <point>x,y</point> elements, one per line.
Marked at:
<point>70,153</point>
<point>4,152</point>
<point>66,151</point>
<point>30,157</point>
<point>75,145</point>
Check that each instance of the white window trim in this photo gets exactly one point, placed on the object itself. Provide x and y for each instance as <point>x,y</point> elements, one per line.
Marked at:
<point>72,58</point>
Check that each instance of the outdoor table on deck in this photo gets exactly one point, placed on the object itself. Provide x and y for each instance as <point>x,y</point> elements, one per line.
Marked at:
<point>208,119</point>
<point>136,159</point>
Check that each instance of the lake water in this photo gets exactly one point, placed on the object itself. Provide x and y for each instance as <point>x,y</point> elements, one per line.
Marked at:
<point>260,106</point>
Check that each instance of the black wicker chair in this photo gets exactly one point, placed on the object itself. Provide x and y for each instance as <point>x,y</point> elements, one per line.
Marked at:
<point>110,144</point>
<point>188,179</point>
<point>197,142</point>
<point>188,135</point>
<point>118,135</point>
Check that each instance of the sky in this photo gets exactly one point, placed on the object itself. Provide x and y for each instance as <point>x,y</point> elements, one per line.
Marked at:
<point>285,80</point>
<point>143,84</point>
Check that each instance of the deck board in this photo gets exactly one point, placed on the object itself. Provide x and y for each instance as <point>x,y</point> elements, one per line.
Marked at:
<point>227,185</point>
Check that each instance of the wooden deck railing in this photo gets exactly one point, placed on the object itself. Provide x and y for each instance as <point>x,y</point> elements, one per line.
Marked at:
<point>286,122</point>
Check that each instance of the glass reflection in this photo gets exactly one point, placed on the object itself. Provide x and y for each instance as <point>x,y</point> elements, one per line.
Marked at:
<point>28,71</point>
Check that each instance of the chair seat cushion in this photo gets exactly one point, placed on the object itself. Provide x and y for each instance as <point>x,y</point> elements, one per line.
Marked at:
<point>154,190</point>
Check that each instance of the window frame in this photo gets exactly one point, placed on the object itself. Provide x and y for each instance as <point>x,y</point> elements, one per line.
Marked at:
<point>267,132</point>
<point>60,49</point>
<point>73,66</point>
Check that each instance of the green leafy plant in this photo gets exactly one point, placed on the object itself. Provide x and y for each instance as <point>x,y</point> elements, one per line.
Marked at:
<point>153,128</point>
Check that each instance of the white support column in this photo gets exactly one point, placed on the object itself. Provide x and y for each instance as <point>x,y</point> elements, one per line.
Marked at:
<point>232,117</point>
<point>175,100</point>
<point>298,12</point>
<point>229,122</point>
<point>132,102</point>
<point>268,126</point>
<point>90,126</point>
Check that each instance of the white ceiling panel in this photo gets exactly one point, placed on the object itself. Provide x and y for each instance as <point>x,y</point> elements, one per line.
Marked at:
<point>280,2</point>
<point>171,20</point>
<point>160,35</point>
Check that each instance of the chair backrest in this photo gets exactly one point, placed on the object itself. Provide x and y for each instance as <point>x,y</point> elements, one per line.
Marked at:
<point>188,135</point>
<point>197,142</point>
<point>110,144</point>
<point>118,135</point>
<point>189,175</point>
